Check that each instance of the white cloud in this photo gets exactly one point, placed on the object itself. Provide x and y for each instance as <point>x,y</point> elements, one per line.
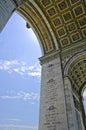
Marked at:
<point>21,68</point>
<point>26,96</point>
<point>14,119</point>
<point>33,74</point>
<point>18,126</point>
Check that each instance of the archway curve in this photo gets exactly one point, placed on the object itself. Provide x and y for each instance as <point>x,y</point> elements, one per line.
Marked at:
<point>73,60</point>
<point>40,25</point>
<point>75,70</point>
<point>62,22</point>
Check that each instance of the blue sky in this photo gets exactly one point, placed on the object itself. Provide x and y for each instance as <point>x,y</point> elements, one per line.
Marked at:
<point>19,76</point>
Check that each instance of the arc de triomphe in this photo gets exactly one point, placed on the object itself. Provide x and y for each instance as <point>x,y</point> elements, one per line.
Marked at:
<point>60,26</point>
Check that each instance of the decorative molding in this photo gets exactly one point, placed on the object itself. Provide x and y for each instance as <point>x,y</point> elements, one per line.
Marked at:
<point>50,56</point>
<point>68,53</point>
<point>66,18</point>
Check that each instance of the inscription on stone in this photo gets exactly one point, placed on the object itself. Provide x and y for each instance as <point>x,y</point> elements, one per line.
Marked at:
<point>51,102</point>
<point>51,118</point>
<point>51,92</point>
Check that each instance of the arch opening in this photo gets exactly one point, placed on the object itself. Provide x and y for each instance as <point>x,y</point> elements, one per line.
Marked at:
<point>55,24</point>
<point>21,77</point>
<point>84,99</point>
<point>75,70</point>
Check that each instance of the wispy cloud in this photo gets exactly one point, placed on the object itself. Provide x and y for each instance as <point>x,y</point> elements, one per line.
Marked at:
<point>21,68</point>
<point>14,119</point>
<point>26,96</point>
<point>18,127</point>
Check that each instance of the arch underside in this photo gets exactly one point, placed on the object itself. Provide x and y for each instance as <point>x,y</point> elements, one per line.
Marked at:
<point>75,69</point>
<point>77,74</point>
<point>57,24</point>
<point>60,25</point>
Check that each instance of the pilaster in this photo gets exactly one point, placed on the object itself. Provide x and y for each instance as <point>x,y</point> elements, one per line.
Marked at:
<point>52,108</point>
<point>73,115</point>
<point>70,108</point>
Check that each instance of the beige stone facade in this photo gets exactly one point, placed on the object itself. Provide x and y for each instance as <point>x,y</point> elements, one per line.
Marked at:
<point>60,26</point>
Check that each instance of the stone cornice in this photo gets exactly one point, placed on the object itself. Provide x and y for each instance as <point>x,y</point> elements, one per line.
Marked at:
<point>72,48</point>
<point>48,57</point>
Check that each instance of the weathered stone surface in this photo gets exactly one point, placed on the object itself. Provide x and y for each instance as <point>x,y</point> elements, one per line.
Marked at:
<point>52,113</point>
<point>6,9</point>
<point>61,27</point>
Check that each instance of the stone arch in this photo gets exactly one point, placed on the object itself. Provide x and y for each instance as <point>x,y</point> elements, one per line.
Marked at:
<point>75,70</point>
<point>74,59</point>
<point>60,26</point>
<point>35,18</point>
